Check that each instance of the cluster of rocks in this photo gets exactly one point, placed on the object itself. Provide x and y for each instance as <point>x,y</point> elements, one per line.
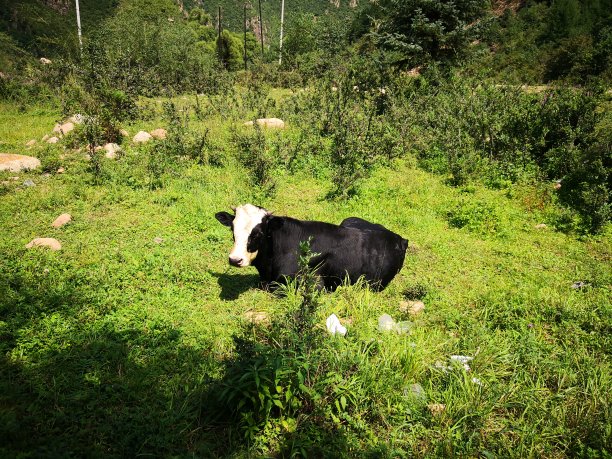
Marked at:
<point>49,242</point>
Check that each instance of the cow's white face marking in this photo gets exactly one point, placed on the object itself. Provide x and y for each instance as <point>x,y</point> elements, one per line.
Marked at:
<point>247,217</point>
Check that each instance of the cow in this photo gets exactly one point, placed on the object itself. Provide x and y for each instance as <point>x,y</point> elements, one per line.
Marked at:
<point>356,248</point>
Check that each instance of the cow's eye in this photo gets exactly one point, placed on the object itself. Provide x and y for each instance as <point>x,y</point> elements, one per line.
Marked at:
<point>254,240</point>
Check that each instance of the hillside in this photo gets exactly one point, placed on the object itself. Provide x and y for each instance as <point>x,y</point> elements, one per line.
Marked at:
<point>48,27</point>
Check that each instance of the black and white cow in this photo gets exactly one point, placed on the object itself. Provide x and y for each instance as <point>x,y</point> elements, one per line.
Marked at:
<point>353,249</point>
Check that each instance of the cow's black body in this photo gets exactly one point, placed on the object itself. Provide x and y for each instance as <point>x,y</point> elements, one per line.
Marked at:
<point>351,250</point>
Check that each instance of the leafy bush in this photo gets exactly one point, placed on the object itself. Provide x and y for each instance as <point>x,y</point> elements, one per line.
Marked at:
<point>254,155</point>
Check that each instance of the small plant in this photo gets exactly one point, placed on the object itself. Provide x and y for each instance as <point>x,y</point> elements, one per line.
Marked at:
<point>253,154</point>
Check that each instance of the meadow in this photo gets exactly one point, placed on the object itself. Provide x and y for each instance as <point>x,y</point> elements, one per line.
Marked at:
<point>138,339</point>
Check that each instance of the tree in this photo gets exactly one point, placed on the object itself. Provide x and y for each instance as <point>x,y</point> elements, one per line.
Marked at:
<point>423,31</point>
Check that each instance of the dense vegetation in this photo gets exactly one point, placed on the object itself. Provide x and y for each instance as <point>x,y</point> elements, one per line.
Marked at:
<point>137,339</point>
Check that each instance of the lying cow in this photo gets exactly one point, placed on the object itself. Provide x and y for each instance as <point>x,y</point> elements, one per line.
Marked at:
<point>354,249</point>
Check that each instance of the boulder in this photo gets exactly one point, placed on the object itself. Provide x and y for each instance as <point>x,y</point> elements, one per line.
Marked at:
<point>159,134</point>
<point>52,140</point>
<point>142,137</point>
<point>124,133</point>
<point>31,143</point>
<point>268,122</point>
<point>63,129</point>
<point>45,61</point>
<point>111,150</point>
<point>49,242</point>
<point>16,163</point>
<point>61,220</point>
<point>45,138</point>
<point>61,170</point>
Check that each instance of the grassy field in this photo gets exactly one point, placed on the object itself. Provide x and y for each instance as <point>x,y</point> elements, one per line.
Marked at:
<point>116,345</point>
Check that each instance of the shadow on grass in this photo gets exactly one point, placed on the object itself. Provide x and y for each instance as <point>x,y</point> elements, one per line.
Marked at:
<point>234,285</point>
<point>79,379</point>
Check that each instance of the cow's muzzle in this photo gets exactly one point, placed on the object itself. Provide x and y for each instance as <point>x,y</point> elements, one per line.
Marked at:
<point>235,261</point>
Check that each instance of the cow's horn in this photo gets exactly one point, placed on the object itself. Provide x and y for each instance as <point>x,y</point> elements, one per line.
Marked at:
<point>233,208</point>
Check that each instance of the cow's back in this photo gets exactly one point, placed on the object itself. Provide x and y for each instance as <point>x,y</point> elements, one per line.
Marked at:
<point>355,248</point>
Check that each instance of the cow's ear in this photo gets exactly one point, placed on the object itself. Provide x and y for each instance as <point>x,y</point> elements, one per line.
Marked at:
<point>275,223</point>
<point>224,218</point>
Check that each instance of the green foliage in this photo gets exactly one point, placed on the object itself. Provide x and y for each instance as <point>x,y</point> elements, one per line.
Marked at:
<point>425,31</point>
<point>565,39</point>
<point>254,154</point>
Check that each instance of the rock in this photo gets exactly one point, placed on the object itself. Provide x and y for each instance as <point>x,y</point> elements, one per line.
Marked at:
<point>45,138</point>
<point>540,226</point>
<point>16,163</point>
<point>29,183</point>
<point>111,150</point>
<point>52,140</point>
<point>66,127</point>
<point>61,170</point>
<point>257,317</point>
<point>385,323</point>
<point>142,137</point>
<point>268,122</point>
<point>77,118</point>
<point>14,178</point>
<point>31,143</point>
<point>158,240</point>
<point>412,307</point>
<point>45,61</point>
<point>436,409</point>
<point>49,242</point>
<point>159,134</point>
<point>124,133</point>
<point>61,220</point>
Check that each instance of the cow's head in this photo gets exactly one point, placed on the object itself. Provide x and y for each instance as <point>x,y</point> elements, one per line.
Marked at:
<point>249,227</point>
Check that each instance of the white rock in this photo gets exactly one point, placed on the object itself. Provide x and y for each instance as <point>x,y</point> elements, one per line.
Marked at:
<point>540,226</point>
<point>52,140</point>
<point>124,133</point>
<point>61,170</point>
<point>142,137</point>
<point>111,150</point>
<point>49,242</point>
<point>268,122</point>
<point>45,138</point>
<point>45,61</point>
<point>16,163</point>
<point>61,220</point>
<point>31,143</point>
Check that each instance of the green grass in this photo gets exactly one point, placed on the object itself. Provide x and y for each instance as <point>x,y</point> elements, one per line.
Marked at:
<point>111,347</point>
